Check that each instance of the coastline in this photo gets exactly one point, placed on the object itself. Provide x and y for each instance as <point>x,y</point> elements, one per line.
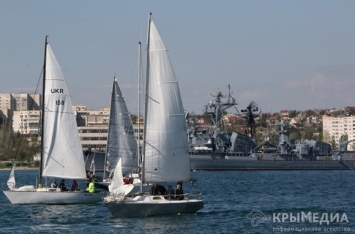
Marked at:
<point>18,168</point>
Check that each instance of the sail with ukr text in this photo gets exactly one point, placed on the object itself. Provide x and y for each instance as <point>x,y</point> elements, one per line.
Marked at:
<point>62,151</point>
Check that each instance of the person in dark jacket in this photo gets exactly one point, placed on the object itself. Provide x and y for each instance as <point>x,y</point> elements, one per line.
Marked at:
<point>179,192</point>
<point>158,189</point>
<point>154,190</point>
<point>62,186</point>
<point>75,186</point>
<point>170,193</point>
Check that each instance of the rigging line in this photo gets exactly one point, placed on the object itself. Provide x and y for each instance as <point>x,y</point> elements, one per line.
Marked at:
<point>64,112</point>
<point>55,79</point>
<point>53,160</point>
<point>153,100</point>
<point>37,87</point>
<point>168,82</point>
<point>158,50</point>
<point>155,149</point>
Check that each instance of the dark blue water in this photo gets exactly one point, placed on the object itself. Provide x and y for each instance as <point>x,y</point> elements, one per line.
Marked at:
<point>229,198</point>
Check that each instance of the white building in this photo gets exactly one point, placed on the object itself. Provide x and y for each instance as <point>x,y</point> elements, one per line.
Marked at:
<point>25,101</point>
<point>7,101</point>
<point>335,127</point>
<point>26,122</point>
<point>92,125</point>
<point>10,102</point>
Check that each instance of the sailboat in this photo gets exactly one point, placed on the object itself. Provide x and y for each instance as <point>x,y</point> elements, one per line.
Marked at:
<point>121,142</point>
<point>165,157</point>
<point>61,151</point>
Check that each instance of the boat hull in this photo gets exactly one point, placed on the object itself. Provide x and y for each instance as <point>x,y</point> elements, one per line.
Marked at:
<point>207,163</point>
<point>52,197</point>
<point>148,206</point>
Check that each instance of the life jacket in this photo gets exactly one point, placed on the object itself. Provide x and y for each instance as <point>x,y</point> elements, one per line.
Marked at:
<point>91,187</point>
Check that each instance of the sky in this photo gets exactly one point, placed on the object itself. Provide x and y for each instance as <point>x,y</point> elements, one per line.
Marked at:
<point>283,55</point>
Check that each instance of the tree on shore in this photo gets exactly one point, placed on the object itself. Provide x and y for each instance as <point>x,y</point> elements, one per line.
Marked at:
<point>14,146</point>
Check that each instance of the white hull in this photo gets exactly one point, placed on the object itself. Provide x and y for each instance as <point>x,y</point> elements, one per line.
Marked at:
<point>51,196</point>
<point>141,206</point>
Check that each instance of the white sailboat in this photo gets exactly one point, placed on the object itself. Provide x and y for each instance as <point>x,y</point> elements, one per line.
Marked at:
<point>61,151</point>
<point>165,147</point>
<point>121,142</point>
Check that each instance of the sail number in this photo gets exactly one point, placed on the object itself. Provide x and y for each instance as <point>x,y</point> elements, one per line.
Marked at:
<point>59,102</point>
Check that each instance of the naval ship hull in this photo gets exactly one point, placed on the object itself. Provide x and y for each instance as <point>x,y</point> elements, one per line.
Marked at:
<point>208,163</point>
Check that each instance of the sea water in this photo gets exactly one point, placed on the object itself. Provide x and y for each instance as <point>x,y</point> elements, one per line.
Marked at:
<point>234,202</point>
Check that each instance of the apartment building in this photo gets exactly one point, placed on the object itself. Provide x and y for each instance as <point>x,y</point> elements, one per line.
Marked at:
<point>11,102</point>
<point>335,127</point>
<point>7,101</point>
<point>26,122</point>
<point>93,127</point>
<point>26,101</point>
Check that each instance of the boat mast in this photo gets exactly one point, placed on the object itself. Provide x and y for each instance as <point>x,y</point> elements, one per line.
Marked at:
<point>139,104</point>
<point>43,108</point>
<point>146,102</point>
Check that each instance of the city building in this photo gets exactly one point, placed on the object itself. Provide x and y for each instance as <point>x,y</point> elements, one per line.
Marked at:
<point>336,127</point>
<point>26,122</point>
<point>26,101</point>
<point>93,127</point>
<point>10,102</point>
<point>7,101</point>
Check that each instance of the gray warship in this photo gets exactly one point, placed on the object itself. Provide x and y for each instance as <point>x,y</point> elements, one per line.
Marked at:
<point>213,147</point>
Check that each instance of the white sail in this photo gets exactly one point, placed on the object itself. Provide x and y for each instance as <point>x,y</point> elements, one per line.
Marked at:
<point>166,148</point>
<point>11,182</point>
<point>121,142</point>
<point>62,151</point>
<point>117,180</point>
<point>117,187</point>
<point>92,165</point>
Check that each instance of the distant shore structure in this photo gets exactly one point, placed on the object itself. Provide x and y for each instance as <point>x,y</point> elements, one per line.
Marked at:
<point>23,111</point>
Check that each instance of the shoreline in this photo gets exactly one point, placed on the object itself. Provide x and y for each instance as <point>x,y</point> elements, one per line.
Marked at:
<point>18,168</point>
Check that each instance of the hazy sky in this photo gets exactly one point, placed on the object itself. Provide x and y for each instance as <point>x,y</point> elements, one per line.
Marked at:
<point>294,55</point>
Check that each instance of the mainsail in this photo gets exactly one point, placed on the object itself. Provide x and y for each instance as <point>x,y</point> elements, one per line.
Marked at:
<point>62,152</point>
<point>121,142</point>
<point>166,145</point>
